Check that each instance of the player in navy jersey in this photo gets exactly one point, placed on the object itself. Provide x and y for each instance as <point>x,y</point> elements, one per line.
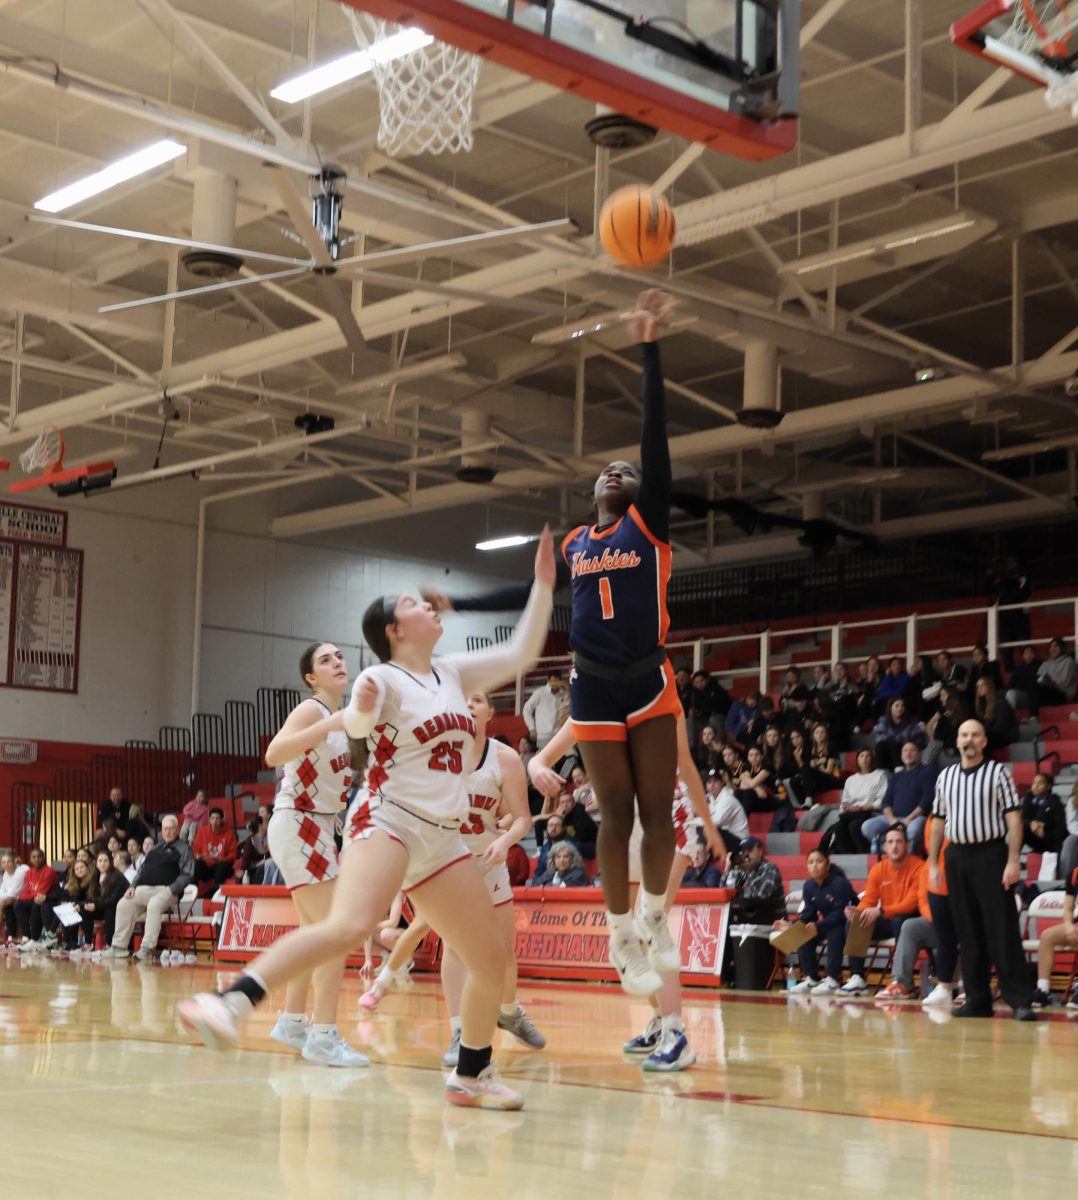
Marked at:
<point>623,700</point>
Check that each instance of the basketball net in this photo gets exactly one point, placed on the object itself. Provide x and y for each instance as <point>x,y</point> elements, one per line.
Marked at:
<point>424,96</point>
<point>1042,29</point>
<point>45,452</point>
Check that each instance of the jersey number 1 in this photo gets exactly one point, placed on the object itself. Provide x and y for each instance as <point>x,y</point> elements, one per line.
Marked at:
<point>605,597</point>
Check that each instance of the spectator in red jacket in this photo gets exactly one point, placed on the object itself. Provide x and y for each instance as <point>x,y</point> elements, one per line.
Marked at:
<point>40,880</point>
<point>215,850</point>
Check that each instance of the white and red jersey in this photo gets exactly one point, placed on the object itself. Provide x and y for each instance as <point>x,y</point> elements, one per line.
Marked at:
<point>480,826</point>
<point>684,819</point>
<point>421,747</point>
<point>320,779</point>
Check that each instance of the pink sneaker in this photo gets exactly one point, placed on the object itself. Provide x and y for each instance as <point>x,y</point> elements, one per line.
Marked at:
<point>486,1090</point>
<point>370,998</point>
<point>209,1018</point>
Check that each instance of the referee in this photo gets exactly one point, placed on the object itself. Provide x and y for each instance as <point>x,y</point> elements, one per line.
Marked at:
<point>982,821</point>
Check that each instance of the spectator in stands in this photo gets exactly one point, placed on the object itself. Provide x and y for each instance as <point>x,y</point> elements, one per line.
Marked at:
<point>844,694</point>
<point>755,788</point>
<point>12,877</point>
<point>862,798</point>
<point>922,678</point>
<point>702,871</point>
<point>821,681</point>
<point>726,812</point>
<point>123,819</point>
<point>893,730</point>
<point>1057,679</point>
<point>893,685</point>
<point>38,882</point>
<point>215,851</point>
<point>995,714</point>
<point>195,816</point>
<point>124,865</point>
<point>733,765</point>
<point>1068,856</point>
<point>891,897</point>
<point>707,754</point>
<point>740,714</point>
<point>795,714</point>
<point>167,869</point>
<point>136,852</point>
<point>1059,937</point>
<point>948,674</point>
<point>765,715</point>
<point>777,757</point>
<point>760,897</point>
<point>907,801</point>
<point>1008,587</point>
<point>932,930</point>
<point>683,683</point>
<point>76,892</point>
<point>546,709</point>
<point>254,851</point>
<point>822,771</point>
<point>708,702</point>
<point>791,681</point>
<point>826,897</point>
<point>980,668</point>
<point>555,832</point>
<point>1044,821</point>
<point>942,729</point>
<point>1022,689</point>
<point>867,687</point>
<point>566,868</point>
<point>580,827</point>
<point>518,865</point>
<point>799,756</point>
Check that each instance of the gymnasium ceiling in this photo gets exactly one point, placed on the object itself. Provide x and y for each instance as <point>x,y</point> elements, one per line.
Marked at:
<point>991,308</point>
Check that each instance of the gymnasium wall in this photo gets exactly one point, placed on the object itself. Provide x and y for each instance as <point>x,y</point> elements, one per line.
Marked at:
<point>264,601</point>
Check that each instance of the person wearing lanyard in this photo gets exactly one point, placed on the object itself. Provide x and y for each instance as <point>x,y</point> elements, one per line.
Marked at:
<point>982,819</point>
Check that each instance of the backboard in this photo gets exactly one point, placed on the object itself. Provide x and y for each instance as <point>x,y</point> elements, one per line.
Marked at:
<point>721,72</point>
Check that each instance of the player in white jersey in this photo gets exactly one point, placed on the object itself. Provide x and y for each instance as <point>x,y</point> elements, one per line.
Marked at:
<point>403,827</point>
<point>315,779</point>
<point>664,1041</point>
<point>497,792</point>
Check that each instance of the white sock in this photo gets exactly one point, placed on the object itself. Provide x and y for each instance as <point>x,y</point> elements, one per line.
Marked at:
<point>454,1024</point>
<point>620,925</point>
<point>510,1009</point>
<point>331,1028</point>
<point>1044,985</point>
<point>295,1018</point>
<point>673,1023</point>
<point>384,976</point>
<point>652,908</point>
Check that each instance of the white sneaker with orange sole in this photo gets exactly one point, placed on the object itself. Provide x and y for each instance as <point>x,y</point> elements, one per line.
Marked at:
<point>484,1090</point>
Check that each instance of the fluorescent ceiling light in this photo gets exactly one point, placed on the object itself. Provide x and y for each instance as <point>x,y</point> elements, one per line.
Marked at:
<point>868,249</point>
<point>504,543</point>
<point>351,66</point>
<point>108,177</point>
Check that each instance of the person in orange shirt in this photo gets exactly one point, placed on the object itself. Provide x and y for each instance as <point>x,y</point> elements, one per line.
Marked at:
<point>933,930</point>
<point>890,899</point>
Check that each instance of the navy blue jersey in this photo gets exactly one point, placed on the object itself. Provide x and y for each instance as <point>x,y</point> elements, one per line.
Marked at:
<point>619,576</point>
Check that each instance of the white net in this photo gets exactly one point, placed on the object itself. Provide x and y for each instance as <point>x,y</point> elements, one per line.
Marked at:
<point>425,88</point>
<point>1041,25</point>
<point>47,448</point>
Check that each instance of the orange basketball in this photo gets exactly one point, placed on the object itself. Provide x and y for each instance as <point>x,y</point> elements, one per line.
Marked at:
<point>637,227</point>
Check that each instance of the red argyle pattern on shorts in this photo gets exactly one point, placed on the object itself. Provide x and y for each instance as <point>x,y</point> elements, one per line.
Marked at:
<point>381,757</point>
<point>321,852</point>
<point>309,832</point>
<point>318,865</point>
<point>361,819</point>
<point>307,774</point>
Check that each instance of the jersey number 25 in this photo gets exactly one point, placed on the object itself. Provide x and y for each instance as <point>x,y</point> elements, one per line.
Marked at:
<point>446,756</point>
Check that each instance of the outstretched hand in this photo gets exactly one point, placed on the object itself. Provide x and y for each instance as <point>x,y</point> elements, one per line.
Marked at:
<point>652,308</point>
<point>545,571</point>
<point>438,600</point>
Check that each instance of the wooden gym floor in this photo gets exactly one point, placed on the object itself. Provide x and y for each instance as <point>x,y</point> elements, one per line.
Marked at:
<point>101,1098</point>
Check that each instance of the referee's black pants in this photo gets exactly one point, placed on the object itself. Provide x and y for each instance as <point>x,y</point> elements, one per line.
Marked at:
<point>986,921</point>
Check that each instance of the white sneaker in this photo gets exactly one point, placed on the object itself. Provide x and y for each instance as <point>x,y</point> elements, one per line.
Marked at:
<point>806,985</point>
<point>145,953</point>
<point>486,1090</point>
<point>854,986</point>
<point>331,1050</point>
<point>637,976</point>
<point>826,987</point>
<point>449,1058</point>
<point>941,996</point>
<point>673,1053</point>
<point>115,952</point>
<point>209,1018</point>
<point>654,932</point>
<point>291,1033</point>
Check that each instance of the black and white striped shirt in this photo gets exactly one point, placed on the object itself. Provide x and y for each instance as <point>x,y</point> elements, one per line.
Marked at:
<point>972,802</point>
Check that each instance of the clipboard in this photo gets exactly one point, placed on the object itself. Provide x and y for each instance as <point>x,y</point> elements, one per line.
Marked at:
<point>858,939</point>
<point>68,914</point>
<point>786,941</point>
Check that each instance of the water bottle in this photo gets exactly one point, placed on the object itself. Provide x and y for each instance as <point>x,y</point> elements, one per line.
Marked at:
<point>790,981</point>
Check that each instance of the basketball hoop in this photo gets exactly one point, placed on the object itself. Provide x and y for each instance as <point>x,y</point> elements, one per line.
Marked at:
<point>1042,29</point>
<point>425,88</point>
<point>45,452</point>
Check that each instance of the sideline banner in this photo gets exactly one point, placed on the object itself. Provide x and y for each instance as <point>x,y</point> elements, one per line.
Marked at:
<point>560,932</point>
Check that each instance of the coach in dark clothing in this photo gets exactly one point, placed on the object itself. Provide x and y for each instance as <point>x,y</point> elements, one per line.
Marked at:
<point>120,818</point>
<point>982,820</point>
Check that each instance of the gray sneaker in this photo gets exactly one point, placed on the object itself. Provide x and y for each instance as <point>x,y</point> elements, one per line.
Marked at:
<point>144,953</point>
<point>521,1027</point>
<point>449,1058</point>
<point>116,952</point>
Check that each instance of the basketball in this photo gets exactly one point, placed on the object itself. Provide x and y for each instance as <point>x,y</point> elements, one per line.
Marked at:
<point>637,227</point>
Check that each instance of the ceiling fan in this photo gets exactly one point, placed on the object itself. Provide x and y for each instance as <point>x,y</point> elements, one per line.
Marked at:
<point>319,232</point>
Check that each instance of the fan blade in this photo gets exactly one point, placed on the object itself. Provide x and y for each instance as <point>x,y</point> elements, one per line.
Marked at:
<point>461,245</point>
<point>201,291</point>
<point>335,302</point>
<point>299,214</point>
<point>142,236</point>
<point>384,279</point>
